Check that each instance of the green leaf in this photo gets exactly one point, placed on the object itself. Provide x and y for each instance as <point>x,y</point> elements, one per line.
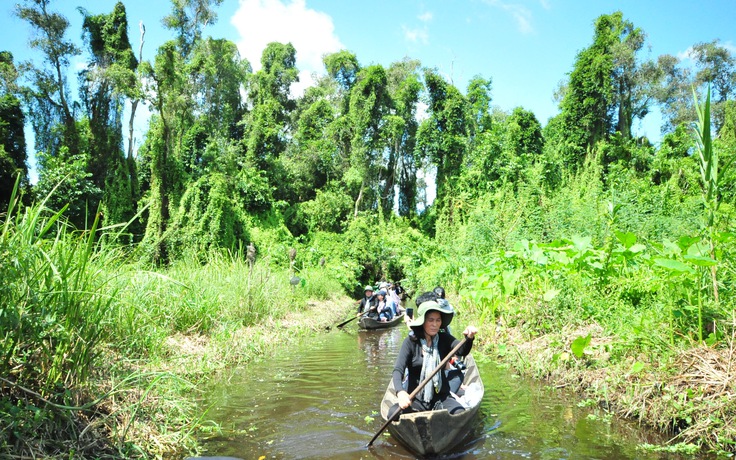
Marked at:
<point>582,243</point>
<point>673,265</point>
<point>701,261</point>
<point>510,279</point>
<point>698,249</point>
<point>670,248</point>
<point>637,248</point>
<point>579,345</point>
<point>627,239</point>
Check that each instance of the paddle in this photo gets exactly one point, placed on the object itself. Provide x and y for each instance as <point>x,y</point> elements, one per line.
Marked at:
<point>419,388</point>
<point>347,321</point>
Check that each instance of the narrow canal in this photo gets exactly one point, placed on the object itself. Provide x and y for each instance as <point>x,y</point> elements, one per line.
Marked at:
<point>320,400</point>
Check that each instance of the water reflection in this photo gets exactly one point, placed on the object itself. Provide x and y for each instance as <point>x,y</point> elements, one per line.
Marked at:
<point>320,399</point>
<point>379,346</point>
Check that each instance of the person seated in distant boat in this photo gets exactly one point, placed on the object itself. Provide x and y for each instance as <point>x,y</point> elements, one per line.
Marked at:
<point>394,296</point>
<point>421,352</point>
<point>384,307</point>
<point>367,305</point>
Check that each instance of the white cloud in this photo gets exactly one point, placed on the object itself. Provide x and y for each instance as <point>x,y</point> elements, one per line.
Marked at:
<point>521,14</point>
<point>685,55</point>
<point>416,35</point>
<point>425,17</point>
<point>260,22</point>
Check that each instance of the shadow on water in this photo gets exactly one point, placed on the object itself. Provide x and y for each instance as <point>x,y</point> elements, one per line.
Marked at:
<point>320,399</point>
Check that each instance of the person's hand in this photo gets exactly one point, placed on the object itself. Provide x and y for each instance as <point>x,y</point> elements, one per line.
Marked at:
<point>470,332</point>
<point>404,400</point>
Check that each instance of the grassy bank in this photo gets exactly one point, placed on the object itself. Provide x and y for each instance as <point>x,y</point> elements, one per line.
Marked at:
<point>632,326</point>
<point>101,354</point>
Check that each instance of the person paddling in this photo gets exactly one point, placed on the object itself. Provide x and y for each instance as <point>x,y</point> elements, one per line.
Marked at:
<point>421,352</point>
<point>367,305</point>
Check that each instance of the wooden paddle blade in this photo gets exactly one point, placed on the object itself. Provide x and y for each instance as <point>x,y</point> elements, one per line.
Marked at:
<point>346,322</point>
<point>390,419</point>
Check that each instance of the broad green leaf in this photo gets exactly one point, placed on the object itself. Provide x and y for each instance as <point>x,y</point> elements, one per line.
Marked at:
<point>672,265</point>
<point>510,279</point>
<point>700,261</point>
<point>582,243</point>
<point>637,248</point>
<point>685,242</point>
<point>698,249</point>
<point>670,248</point>
<point>627,239</point>
<point>725,236</point>
<point>538,256</point>
<point>579,345</point>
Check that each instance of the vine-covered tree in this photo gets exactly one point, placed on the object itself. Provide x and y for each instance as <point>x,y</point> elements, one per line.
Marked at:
<point>369,103</point>
<point>404,89</point>
<point>13,154</point>
<point>443,137</point>
<point>109,78</point>
<point>267,126</point>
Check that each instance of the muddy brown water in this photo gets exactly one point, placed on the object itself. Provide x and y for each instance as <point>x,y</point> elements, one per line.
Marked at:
<point>320,400</point>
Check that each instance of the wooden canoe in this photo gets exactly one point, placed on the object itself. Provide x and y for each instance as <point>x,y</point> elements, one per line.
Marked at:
<point>434,432</point>
<point>371,323</point>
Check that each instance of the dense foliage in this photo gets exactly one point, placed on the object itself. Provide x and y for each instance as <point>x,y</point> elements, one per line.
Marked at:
<point>536,224</point>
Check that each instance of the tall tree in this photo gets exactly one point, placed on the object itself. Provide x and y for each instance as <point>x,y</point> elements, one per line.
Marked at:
<point>479,99</point>
<point>586,105</point>
<point>62,150</point>
<point>674,93</point>
<point>49,104</point>
<point>172,96</point>
<point>608,87</point>
<point>630,97</point>
<point>717,70</point>
<point>401,130</point>
<point>12,138</point>
<point>219,76</point>
<point>267,125</point>
<point>188,18</point>
<point>343,68</point>
<point>443,137</point>
<point>168,96</point>
<point>109,78</point>
<point>369,102</point>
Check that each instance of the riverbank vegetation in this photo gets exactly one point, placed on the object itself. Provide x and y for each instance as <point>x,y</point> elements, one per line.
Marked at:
<point>589,256</point>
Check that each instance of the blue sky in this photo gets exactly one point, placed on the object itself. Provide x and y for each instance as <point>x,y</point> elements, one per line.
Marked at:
<point>525,46</point>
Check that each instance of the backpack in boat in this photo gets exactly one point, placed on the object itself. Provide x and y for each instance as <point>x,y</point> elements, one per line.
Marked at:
<point>456,375</point>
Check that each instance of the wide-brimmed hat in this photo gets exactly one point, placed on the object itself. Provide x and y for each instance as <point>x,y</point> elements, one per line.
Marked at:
<point>445,312</point>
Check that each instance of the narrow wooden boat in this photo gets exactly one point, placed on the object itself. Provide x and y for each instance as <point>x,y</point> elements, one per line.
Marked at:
<point>435,432</point>
<point>370,323</point>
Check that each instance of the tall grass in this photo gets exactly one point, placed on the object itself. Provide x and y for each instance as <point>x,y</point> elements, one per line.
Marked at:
<point>55,299</point>
<point>79,317</point>
<point>193,297</point>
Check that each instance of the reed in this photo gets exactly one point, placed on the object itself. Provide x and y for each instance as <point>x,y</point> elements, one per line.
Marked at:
<point>55,299</point>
